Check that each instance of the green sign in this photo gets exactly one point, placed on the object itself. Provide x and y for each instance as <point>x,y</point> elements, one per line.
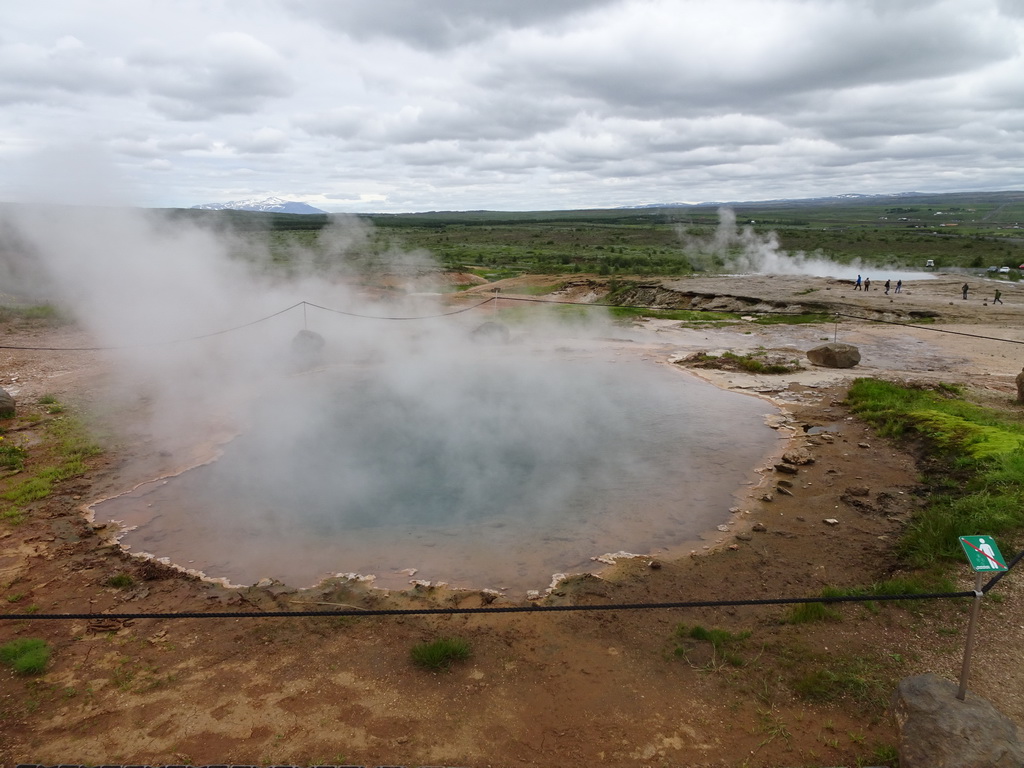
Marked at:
<point>983,553</point>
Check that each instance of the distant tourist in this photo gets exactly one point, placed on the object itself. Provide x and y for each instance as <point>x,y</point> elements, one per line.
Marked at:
<point>867,283</point>
<point>857,285</point>
<point>997,299</point>
<point>886,287</point>
<point>899,286</point>
<point>965,289</point>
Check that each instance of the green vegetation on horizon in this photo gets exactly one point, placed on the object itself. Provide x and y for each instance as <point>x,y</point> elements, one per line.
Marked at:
<point>970,230</point>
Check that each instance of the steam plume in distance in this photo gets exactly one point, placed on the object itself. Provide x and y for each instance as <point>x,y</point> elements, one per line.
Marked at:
<point>742,250</point>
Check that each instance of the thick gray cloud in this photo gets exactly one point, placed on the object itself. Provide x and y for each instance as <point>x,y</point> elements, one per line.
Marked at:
<point>516,104</point>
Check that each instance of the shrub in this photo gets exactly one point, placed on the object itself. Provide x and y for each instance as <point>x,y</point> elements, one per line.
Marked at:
<point>12,456</point>
<point>26,656</point>
<point>121,581</point>
<point>440,653</point>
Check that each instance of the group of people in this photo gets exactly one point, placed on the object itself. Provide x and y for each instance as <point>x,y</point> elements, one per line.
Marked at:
<point>997,299</point>
<point>865,285</point>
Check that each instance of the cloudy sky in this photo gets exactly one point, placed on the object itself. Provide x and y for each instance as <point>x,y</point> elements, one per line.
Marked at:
<point>414,105</point>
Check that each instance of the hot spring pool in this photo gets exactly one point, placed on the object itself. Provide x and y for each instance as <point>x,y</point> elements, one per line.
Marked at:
<point>492,473</point>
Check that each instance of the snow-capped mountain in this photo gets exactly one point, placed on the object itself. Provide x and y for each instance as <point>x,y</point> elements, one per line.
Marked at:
<point>270,204</point>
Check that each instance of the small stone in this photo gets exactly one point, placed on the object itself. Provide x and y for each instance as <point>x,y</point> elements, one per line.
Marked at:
<point>830,521</point>
<point>743,536</point>
<point>759,527</point>
<point>784,491</point>
<point>786,469</point>
<point>767,497</point>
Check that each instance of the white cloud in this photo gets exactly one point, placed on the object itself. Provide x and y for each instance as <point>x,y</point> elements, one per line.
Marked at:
<point>520,103</point>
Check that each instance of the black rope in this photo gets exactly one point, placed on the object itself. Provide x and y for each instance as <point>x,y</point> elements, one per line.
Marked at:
<point>156,343</point>
<point>506,298</point>
<point>499,609</point>
<point>417,317</point>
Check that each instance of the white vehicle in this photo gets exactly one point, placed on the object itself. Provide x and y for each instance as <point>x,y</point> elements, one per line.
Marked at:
<point>929,263</point>
<point>1004,270</point>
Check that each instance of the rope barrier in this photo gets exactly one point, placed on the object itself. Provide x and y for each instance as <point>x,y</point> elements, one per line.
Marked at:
<point>303,304</point>
<point>488,300</point>
<point>500,609</point>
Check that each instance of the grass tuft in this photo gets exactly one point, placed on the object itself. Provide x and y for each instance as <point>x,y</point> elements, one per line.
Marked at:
<point>26,656</point>
<point>441,653</point>
<point>121,581</point>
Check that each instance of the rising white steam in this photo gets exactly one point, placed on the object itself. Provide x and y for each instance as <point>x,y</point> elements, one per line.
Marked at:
<point>742,250</point>
<point>392,424</point>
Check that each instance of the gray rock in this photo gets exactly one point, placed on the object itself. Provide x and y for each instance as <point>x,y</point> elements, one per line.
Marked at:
<point>491,332</point>
<point>7,407</point>
<point>307,349</point>
<point>835,354</point>
<point>1020,387</point>
<point>800,457</point>
<point>937,730</point>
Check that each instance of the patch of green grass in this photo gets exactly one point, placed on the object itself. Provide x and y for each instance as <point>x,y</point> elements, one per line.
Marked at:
<point>12,456</point>
<point>441,653</point>
<point>977,471</point>
<point>868,681</point>
<point>73,446</point>
<point>41,312</point>
<point>121,581</point>
<point>48,400</point>
<point>723,642</point>
<point>681,315</point>
<point>794,319</point>
<point>806,613</point>
<point>26,656</point>
<point>885,754</point>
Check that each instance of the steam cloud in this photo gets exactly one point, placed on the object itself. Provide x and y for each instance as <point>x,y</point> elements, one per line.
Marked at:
<point>742,250</point>
<point>405,422</point>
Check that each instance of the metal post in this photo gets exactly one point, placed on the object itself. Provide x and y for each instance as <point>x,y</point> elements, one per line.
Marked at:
<point>965,671</point>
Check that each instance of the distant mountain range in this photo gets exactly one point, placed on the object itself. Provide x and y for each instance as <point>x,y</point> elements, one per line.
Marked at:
<point>268,205</point>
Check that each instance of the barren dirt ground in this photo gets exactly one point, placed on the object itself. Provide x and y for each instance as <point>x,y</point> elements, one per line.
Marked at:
<point>545,689</point>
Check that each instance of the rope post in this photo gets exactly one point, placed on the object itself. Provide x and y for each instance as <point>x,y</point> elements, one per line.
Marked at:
<point>965,670</point>
<point>835,331</point>
<point>494,311</point>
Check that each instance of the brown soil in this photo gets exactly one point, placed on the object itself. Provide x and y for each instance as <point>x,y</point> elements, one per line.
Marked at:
<point>547,689</point>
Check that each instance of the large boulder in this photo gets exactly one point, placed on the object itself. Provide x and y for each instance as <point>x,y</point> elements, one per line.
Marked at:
<point>7,408</point>
<point>1020,387</point>
<point>937,730</point>
<point>307,349</point>
<point>835,354</point>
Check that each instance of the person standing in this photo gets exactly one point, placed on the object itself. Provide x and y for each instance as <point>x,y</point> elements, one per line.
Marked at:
<point>857,285</point>
<point>886,287</point>
<point>997,299</point>
<point>867,283</point>
<point>899,286</point>
<point>965,289</point>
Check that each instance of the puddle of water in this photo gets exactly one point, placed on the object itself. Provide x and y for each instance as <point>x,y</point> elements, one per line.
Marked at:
<point>481,487</point>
